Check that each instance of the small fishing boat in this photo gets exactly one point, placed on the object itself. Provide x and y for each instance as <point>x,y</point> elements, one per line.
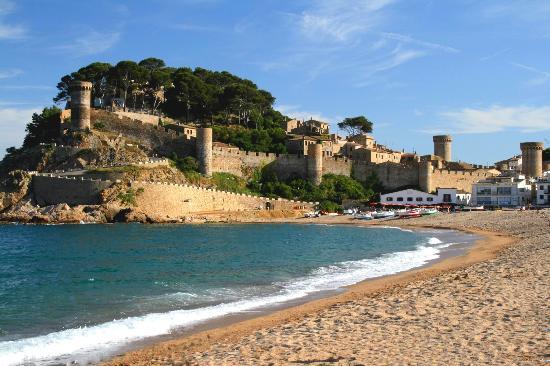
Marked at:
<point>363,216</point>
<point>383,214</point>
<point>428,211</point>
<point>409,213</point>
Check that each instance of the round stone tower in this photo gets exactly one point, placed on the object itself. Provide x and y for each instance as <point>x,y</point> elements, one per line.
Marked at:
<point>81,97</point>
<point>442,146</point>
<point>204,150</point>
<point>425,176</point>
<point>531,158</point>
<point>315,163</point>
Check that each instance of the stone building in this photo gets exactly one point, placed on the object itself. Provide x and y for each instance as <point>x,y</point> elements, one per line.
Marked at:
<point>531,154</point>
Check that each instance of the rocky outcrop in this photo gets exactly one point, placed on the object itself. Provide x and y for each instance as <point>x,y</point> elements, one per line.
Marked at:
<point>13,188</point>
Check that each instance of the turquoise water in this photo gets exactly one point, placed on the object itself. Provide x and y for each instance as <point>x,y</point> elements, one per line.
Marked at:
<point>80,289</point>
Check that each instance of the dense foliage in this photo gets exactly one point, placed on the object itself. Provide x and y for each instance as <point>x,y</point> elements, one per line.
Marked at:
<point>330,193</point>
<point>267,140</point>
<point>546,154</point>
<point>182,93</point>
<point>43,128</point>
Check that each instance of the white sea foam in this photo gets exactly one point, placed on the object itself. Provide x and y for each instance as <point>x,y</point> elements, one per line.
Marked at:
<point>434,241</point>
<point>118,332</point>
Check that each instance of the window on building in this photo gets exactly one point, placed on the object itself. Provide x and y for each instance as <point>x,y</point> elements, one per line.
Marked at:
<point>409,199</point>
<point>430,199</point>
<point>484,191</point>
<point>484,200</point>
<point>418,199</point>
<point>447,197</point>
<point>389,199</point>
<point>400,199</point>
<point>541,188</point>
<point>505,191</point>
<point>541,196</point>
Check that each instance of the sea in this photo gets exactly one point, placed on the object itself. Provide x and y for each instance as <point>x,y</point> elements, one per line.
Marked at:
<point>83,293</point>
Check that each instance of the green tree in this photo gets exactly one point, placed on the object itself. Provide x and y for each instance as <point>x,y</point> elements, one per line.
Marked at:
<point>356,125</point>
<point>44,127</point>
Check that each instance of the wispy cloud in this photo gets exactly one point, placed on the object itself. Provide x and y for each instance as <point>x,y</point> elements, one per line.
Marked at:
<point>408,39</point>
<point>542,76</point>
<point>340,21</point>
<point>195,27</point>
<point>295,111</point>
<point>494,54</point>
<point>10,73</point>
<point>495,118</point>
<point>10,31</point>
<point>90,43</point>
<point>396,57</point>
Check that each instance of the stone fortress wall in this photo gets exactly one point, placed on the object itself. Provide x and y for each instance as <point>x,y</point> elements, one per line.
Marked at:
<point>155,198</point>
<point>50,189</point>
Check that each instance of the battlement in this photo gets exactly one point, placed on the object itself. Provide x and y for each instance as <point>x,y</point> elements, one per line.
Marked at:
<point>531,146</point>
<point>80,85</point>
<point>156,197</point>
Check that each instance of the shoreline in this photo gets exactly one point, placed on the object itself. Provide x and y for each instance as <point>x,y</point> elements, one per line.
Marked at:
<point>486,247</point>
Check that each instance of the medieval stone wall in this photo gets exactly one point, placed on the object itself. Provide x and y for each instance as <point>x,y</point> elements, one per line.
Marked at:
<point>338,166</point>
<point>49,189</point>
<point>442,178</point>
<point>391,176</point>
<point>176,200</point>
<point>155,198</point>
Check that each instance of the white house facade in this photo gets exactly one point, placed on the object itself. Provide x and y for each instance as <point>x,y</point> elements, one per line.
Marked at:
<point>416,197</point>
<point>503,191</point>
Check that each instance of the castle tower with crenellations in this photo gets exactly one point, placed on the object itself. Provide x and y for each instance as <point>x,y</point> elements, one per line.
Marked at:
<point>442,146</point>
<point>531,158</point>
<point>81,97</point>
<point>204,150</point>
<point>315,163</point>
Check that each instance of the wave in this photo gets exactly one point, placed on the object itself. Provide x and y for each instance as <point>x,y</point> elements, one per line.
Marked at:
<point>434,241</point>
<point>87,340</point>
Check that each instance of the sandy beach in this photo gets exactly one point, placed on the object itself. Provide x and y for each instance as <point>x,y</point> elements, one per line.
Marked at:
<point>489,306</point>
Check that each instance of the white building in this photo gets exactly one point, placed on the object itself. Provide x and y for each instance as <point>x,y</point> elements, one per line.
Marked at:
<point>502,191</point>
<point>416,197</point>
<point>543,192</point>
<point>513,164</point>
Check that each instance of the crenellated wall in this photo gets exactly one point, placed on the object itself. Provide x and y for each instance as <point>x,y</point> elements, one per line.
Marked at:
<point>155,198</point>
<point>52,189</point>
<point>461,179</point>
<point>390,175</point>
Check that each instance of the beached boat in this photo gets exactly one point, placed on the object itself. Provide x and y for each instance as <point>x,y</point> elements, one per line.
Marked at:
<point>428,211</point>
<point>409,213</point>
<point>383,214</point>
<point>363,216</point>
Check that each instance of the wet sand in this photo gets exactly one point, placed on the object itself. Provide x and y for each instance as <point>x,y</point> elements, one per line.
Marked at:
<point>486,307</point>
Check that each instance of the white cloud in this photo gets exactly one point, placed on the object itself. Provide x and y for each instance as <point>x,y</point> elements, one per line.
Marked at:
<point>91,43</point>
<point>496,118</point>
<point>12,126</point>
<point>10,31</point>
<point>294,111</point>
<point>340,20</point>
<point>390,61</point>
<point>542,76</point>
<point>408,39</point>
<point>10,73</point>
<point>495,54</point>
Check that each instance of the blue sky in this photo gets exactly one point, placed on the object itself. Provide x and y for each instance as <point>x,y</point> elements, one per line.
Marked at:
<point>479,70</point>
